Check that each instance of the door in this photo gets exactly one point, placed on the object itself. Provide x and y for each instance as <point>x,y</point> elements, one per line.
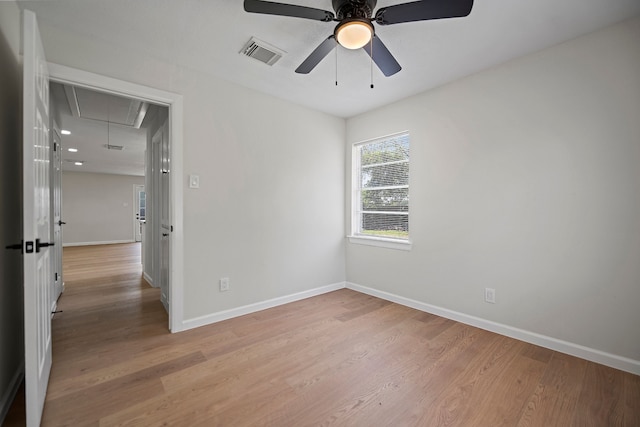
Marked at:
<point>140,197</point>
<point>36,187</point>
<point>56,215</point>
<point>152,227</point>
<point>165,216</point>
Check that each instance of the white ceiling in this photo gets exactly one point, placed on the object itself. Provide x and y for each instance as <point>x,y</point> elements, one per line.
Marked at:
<point>207,35</point>
<point>90,136</point>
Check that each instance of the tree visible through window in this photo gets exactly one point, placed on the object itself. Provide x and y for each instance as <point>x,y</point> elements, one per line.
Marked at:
<point>381,203</point>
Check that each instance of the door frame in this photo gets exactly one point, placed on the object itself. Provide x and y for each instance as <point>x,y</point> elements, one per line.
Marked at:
<point>174,102</point>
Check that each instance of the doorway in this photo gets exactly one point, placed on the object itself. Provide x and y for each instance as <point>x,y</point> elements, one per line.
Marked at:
<point>172,246</point>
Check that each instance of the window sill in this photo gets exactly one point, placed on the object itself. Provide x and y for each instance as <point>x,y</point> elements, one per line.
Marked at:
<point>403,245</point>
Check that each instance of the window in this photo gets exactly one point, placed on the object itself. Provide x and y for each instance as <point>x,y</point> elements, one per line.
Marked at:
<point>381,189</point>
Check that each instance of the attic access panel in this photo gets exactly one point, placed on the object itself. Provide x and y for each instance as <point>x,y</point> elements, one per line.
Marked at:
<point>89,104</point>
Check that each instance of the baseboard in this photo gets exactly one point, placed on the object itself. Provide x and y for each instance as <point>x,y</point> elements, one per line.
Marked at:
<point>10,393</point>
<point>107,242</point>
<point>259,306</point>
<point>148,279</point>
<point>608,359</point>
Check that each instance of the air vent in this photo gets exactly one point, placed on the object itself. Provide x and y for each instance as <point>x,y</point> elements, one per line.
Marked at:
<point>262,51</point>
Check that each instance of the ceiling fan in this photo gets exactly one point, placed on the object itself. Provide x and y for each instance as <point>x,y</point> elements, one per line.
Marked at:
<point>355,28</point>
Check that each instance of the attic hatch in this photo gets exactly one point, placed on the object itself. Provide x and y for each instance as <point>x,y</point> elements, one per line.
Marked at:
<point>88,104</point>
<point>262,51</point>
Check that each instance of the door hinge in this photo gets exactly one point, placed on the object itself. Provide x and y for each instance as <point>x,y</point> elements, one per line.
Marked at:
<point>56,277</point>
<point>55,146</point>
<point>172,228</point>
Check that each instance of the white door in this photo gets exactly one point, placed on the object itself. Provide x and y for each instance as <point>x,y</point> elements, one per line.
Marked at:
<point>165,217</point>
<point>140,203</point>
<point>56,215</point>
<point>38,279</point>
<point>152,227</point>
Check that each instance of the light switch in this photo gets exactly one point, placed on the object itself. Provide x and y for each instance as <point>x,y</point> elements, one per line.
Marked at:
<point>194,181</point>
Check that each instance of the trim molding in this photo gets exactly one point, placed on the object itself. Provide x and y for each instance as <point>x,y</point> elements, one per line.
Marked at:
<point>587,353</point>
<point>11,392</point>
<point>108,242</point>
<point>148,279</point>
<point>259,306</point>
<point>403,245</point>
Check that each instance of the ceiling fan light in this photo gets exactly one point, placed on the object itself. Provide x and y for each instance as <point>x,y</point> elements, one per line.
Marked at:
<point>354,34</point>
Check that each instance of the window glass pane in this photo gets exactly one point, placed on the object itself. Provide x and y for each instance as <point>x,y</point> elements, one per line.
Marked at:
<point>384,225</point>
<point>395,200</point>
<point>385,175</point>
<point>388,150</point>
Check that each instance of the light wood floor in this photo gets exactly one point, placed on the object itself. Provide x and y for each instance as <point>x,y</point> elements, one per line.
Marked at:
<point>342,358</point>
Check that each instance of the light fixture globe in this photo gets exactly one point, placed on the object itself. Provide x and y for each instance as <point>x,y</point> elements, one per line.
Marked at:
<point>354,33</point>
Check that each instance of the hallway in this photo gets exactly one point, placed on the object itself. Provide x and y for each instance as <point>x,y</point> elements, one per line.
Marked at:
<point>108,316</point>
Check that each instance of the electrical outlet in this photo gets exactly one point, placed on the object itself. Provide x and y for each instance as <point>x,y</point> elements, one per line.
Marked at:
<point>490,295</point>
<point>224,284</point>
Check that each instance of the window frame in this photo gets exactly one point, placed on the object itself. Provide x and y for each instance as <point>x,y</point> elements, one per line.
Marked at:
<point>355,235</point>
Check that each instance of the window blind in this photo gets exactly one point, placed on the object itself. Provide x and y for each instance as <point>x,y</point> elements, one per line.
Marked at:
<point>382,189</point>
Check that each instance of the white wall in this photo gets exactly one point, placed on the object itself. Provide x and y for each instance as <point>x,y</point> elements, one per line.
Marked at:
<point>11,295</point>
<point>524,178</point>
<point>98,208</point>
<point>269,213</point>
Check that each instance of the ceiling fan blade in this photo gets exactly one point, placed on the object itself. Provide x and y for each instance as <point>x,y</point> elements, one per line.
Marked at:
<point>317,55</point>
<point>382,57</point>
<point>423,10</point>
<point>271,8</point>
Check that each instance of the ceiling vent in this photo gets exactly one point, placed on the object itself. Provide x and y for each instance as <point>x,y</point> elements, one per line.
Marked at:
<point>262,51</point>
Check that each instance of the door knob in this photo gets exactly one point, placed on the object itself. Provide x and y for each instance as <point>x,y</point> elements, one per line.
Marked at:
<point>43,245</point>
<point>61,222</point>
<point>16,246</point>
<point>165,234</point>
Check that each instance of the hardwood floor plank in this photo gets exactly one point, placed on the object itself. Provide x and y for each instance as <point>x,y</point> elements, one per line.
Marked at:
<point>90,404</point>
<point>555,400</point>
<point>508,395</point>
<point>534,352</point>
<point>600,399</point>
<point>468,389</point>
<point>631,400</point>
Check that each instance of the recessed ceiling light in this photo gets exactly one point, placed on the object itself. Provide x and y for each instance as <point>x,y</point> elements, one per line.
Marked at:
<point>78,163</point>
<point>72,150</point>
<point>65,132</point>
